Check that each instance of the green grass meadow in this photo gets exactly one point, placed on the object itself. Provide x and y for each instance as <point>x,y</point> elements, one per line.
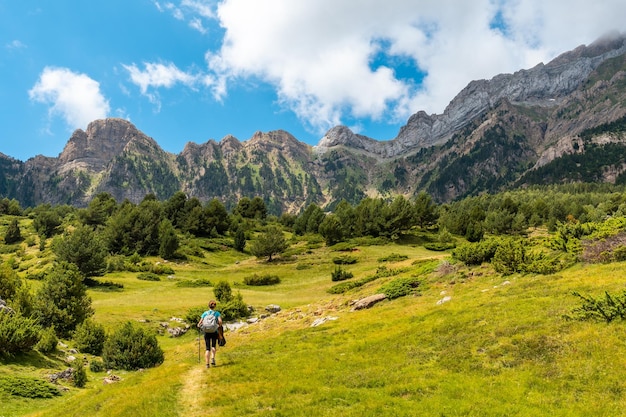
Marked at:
<point>500,346</point>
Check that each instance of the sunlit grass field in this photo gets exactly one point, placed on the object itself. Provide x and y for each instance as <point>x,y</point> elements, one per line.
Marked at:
<point>500,345</point>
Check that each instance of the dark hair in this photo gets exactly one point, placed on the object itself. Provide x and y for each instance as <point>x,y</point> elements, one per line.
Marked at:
<point>212,304</point>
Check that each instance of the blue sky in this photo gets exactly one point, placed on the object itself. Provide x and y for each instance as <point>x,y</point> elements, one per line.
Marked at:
<point>194,70</point>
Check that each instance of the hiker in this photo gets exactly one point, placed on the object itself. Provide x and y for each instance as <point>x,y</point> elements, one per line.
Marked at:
<point>210,321</point>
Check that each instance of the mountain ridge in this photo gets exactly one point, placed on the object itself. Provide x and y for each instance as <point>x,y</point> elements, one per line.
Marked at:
<point>491,136</point>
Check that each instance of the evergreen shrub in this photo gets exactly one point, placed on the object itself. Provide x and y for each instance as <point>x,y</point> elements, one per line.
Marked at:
<point>233,309</point>
<point>130,348</point>
<point>148,276</point>
<point>400,287</point>
<point>18,334</point>
<point>193,283</point>
<point>476,253</point>
<point>27,387</point>
<point>260,280</point>
<point>193,315</point>
<point>344,260</point>
<point>89,337</point>
<point>79,376</point>
<point>394,257</point>
<point>48,341</point>
<point>96,366</point>
<point>339,274</point>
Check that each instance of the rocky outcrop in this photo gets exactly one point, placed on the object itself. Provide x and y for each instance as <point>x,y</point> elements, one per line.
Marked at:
<point>544,86</point>
<point>94,148</point>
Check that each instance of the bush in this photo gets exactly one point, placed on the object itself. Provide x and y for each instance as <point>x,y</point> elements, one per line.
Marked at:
<point>103,285</point>
<point>394,257</point>
<point>48,341</point>
<point>476,253</point>
<point>116,263</point>
<point>9,282</point>
<point>400,287</point>
<point>193,315</point>
<point>193,283</point>
<point>607,308</point>
<point>62,301</point>
<point>619,253</point>
<point>510,257</point>
<point>27,387</point>
<point>96,366</point>
<point>233,309</point>
<point>36,276</point>
<point>161,269</point>
<point>343,247</point>
<point>259,280</point>
<point>381,272</point>
<point>148,276</point>
<point>18,334</point>
<point>131,348</point>
<point>79,376</point>
<point>344,260</point>
<point>545,265</point>
<point>89,337</point>
<point>223,292</point>
<point>340,274</point>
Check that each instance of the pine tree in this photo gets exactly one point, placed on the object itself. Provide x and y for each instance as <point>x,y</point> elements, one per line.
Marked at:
<point>13,234</point>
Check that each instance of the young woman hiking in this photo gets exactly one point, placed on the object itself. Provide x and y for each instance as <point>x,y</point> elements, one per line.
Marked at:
<point>209,322</point>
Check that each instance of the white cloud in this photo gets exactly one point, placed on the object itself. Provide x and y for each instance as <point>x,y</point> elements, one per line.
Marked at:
<point>202,7</point>
<point>15,44</point>
<point>319,54</point>
<point>158,75</point>
<point>73,96</point>
<point>197,24</point>
<point>194,12</point>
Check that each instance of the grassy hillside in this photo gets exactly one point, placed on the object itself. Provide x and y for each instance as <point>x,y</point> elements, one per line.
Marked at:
<point>499,346</point>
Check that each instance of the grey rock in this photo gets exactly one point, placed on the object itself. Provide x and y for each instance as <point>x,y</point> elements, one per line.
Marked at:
<point>272,308</point>
<point>368,302</point>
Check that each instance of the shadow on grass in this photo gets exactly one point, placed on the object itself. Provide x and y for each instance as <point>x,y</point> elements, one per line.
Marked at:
<point>105,286</point>
<point>36,359</point>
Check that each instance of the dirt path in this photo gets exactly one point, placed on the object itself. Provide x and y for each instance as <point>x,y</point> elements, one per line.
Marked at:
<point>193,391</point>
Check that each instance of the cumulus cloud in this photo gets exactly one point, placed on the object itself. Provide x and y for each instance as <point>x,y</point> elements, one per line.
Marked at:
<point>73,96</point>
<point>330,60</point>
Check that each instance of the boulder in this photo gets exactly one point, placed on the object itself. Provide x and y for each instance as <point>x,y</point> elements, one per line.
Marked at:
<point>272,308</point>
<point>368,302</point>
<point>176,331</point>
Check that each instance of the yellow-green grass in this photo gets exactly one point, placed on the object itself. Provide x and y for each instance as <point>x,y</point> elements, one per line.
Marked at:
<point>499,347</point>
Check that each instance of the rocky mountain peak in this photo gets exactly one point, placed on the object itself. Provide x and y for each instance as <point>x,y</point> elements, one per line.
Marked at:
<point>543,85</point>
<point>101,142</point>
<point>342,135</point>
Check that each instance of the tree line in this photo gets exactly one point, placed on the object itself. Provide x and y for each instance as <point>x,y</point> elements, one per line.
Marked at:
<point>107,235</point>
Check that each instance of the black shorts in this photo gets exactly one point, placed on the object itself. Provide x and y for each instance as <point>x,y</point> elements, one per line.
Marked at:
<point>210,340</point>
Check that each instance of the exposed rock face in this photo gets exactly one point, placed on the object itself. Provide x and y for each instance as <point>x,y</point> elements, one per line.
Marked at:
<point>95,148</point>
<point>543,85</point>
